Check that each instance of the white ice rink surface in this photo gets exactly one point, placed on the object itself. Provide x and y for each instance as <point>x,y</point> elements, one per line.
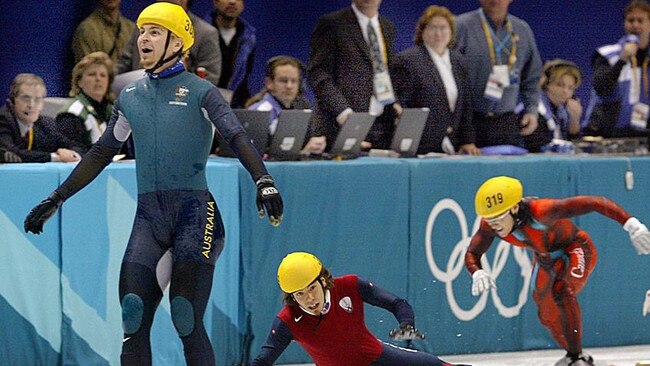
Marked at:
<point>610,356</point>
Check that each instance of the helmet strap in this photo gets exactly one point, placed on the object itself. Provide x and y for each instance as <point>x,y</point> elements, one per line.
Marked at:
<point>162,59</point>
<point>326,299</point>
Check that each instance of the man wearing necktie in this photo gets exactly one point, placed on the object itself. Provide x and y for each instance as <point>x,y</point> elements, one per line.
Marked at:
<point>351,51</point>
<point>28,134</point>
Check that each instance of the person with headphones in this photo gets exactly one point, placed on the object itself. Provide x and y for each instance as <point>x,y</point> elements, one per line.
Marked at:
<point>325,315</point>
<point>26,135</point>
<point>559,113</point>
<point>171,113</point>
<point>282,89</point>
<point>564,254</point>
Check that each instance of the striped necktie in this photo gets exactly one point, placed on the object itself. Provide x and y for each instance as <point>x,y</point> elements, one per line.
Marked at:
<point>375,52</point>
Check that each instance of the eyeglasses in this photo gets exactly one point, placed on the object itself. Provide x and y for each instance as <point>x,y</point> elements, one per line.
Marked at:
<point>497,219</point>
<point>26,99</point>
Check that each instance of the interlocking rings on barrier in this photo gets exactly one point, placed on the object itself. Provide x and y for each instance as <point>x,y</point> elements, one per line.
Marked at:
<point>456,263</point>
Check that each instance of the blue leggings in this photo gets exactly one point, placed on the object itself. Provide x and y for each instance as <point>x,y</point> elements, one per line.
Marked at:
<point>188,224</point>
<point>392,355</point>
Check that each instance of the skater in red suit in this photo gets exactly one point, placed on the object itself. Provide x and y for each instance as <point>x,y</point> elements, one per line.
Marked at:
<point>564,255</point>
<point>325,316</point>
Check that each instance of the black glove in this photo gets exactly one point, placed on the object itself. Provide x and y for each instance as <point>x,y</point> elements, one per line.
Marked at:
<point>11,157</point>
<point>268,196</point>
<point>405,332</point>
<point>42,212</point>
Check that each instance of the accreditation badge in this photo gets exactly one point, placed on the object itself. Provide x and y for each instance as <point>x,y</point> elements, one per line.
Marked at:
<point>639,120</point>
<point>383,88</point>
<point>498,81</point>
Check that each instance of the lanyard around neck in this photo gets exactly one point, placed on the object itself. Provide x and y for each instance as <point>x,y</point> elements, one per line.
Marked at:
<point>495,50</point>
<point>644,74</point>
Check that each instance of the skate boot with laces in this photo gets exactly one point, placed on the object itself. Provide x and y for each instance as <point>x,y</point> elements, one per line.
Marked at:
<point>581,359</point>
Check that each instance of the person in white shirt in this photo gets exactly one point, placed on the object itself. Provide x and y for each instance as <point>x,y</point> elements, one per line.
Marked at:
<point>432,75</point>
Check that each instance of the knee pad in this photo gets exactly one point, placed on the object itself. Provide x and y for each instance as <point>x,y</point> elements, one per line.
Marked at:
<point>132,311</point>
<point>182,315</point>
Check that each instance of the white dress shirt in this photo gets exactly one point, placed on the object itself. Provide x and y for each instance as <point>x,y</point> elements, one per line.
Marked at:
<point>443,64</point>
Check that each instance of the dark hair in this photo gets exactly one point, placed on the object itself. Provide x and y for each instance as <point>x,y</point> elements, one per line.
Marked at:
<point>281,60</point>
<point>523,215</point>
<point>269,71</point>
<point>328,283</point>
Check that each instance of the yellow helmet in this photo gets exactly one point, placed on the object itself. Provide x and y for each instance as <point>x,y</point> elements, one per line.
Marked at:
<point>297,270</point>
<point>170,16</point>
<point>497,195</point>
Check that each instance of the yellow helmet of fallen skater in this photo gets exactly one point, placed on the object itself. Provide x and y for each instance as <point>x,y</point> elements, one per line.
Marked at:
<point>297,270</point>
<point>497,195</point>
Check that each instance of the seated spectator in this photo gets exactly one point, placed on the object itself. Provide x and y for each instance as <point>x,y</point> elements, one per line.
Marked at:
<point>282,89</point>
<point>104,30</point>
<point>559,114</point>
<point>431,75</point>
<point>23,131</point>
<point>84,118</point>
<point>205,52</point>
<point>619,104</point>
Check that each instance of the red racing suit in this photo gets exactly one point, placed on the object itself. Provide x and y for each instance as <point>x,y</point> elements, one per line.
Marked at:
<point>564,257</point>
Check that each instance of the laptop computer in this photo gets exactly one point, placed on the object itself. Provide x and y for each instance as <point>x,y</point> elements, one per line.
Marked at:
<point>256,124</point>
<point>290,133</point>
<point>409,131</point>
<point>355,130</point>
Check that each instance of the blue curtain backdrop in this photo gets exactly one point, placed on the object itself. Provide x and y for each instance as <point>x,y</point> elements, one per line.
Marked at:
<point>37,33</point>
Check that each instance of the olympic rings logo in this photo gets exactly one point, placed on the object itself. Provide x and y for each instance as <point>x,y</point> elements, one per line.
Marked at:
<point>456,265</point>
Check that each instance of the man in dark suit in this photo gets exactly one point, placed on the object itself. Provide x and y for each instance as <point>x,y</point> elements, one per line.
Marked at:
<point>431,75</point>
<point>344,74</point>
<point>28,134</point>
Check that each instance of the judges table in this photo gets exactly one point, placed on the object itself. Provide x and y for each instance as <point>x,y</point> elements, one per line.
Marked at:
<point>402,223</point>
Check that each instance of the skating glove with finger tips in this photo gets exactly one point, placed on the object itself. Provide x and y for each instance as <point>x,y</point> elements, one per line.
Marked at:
<point>405,332</point>
<point>639,235</point>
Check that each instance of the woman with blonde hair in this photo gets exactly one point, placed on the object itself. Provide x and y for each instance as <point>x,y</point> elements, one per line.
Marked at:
<point>84,118</point>
<point>559,111</point>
